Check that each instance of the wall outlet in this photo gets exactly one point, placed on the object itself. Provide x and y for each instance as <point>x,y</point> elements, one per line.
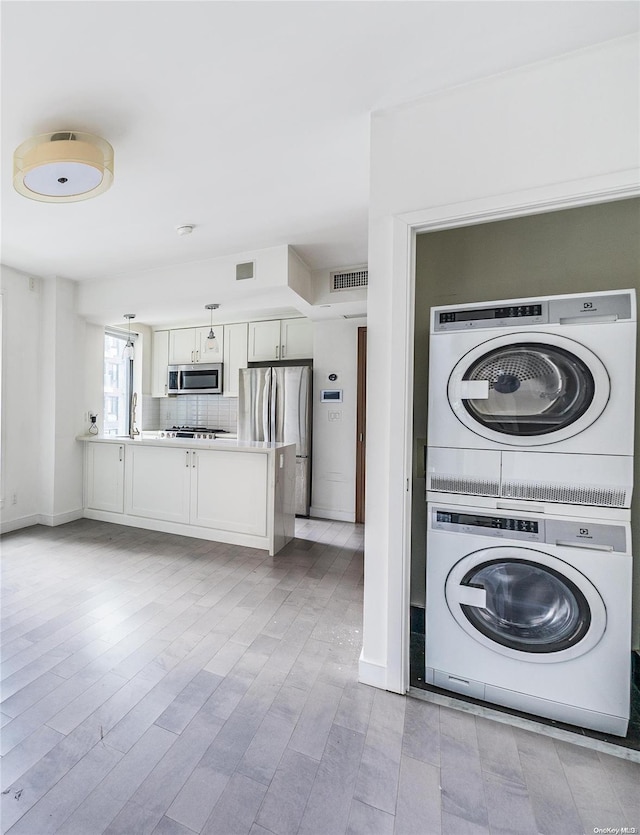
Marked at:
<point>335,415</point>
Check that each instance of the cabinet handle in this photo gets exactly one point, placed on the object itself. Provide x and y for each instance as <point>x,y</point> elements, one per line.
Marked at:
<point>187,464</point>
<point>192,356</point>
<point>197,356</point>
<point>277,352</point>
<point>166,388</point>
<point>282,352</point>
<point>193,459</point>
<point>120,453</point>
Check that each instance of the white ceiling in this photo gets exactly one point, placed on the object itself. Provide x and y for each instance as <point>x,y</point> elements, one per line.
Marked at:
<point>247,119</point>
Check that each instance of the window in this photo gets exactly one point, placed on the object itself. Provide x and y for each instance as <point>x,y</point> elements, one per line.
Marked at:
<point>118,375</point>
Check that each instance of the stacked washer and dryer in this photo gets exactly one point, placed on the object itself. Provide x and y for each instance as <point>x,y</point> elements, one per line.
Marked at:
<point>529,481</point>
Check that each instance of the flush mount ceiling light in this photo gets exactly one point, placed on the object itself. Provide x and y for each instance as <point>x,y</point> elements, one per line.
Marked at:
<point>184,230</point>
<point>213,342</point>
<point>63,167</point>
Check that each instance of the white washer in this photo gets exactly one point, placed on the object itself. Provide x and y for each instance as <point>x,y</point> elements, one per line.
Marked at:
<point>552,377</point>
<point>531,613</point>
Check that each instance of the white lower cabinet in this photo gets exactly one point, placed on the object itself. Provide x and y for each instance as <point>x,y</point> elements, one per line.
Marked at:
<point>158,482</point>
<point>205,487</point>
<point>105,477</point>
<point>229,491</point>
<point>226,492</point>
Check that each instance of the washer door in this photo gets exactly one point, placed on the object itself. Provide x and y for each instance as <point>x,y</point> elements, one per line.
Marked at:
<point>525,604</point>
<point>529,389</point>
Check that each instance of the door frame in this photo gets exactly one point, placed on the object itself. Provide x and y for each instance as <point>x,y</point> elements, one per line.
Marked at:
<point>393,673</point>
<point>361,424</point>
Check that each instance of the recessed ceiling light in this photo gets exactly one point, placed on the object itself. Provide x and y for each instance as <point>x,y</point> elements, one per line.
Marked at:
<point>184,230</point>
<point>63,167</point>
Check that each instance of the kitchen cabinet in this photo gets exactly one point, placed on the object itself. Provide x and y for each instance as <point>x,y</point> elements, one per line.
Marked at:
<point>104,477</point>
<point>160,361</point>
<point>158,482</point>
<point>190,345</point>
<point>235,356</point>
<point>229,491</point>
<point>210,488</point>
<point>225,491</point>
<point>280,339</point>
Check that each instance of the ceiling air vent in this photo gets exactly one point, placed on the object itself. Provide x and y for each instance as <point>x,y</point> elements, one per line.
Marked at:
<point>349,279</point>
<point>246,270</point>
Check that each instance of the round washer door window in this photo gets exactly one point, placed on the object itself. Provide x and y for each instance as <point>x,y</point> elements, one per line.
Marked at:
<point>536,389</point>
<point>525,604</point>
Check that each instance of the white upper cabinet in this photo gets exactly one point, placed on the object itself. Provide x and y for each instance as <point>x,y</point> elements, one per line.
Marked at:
<point>190,345</point>
<point>160,360</point>
<point>264,341</point>
<point>286,339</point>
<point>235,356</point>
<point>182,346</point>
<point>296,339</point>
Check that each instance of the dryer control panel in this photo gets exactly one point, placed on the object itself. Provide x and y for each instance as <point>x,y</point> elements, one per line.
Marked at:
<point>578,308</point>
<point>580,533</point>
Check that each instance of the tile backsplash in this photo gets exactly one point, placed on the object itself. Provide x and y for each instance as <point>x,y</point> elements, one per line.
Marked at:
<point>211,410</point>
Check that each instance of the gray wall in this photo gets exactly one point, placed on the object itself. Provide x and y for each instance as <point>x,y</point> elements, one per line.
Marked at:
<point>572,251</point>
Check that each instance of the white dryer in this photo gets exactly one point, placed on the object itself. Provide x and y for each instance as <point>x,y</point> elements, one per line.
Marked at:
<point>531,613</point>
<point>534,399</point>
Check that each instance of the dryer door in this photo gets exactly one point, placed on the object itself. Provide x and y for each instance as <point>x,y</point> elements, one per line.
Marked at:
<point>525,604</point>
<point>528,389</point>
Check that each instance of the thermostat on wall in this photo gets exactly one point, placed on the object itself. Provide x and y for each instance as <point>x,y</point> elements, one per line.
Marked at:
<point>331,396</point>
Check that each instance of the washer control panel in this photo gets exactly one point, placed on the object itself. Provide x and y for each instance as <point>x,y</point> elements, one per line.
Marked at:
<point>503,527</point>
<point>568,533</point>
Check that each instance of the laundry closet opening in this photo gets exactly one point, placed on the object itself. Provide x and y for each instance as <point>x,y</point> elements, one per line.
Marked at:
<point>581,250</point>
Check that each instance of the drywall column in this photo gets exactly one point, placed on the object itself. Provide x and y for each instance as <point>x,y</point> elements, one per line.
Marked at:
<point>562,130</point>
<point>335,351</point>
<point>61,385</point>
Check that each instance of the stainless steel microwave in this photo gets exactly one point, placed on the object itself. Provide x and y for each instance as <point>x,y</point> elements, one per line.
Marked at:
<point>201,378</point>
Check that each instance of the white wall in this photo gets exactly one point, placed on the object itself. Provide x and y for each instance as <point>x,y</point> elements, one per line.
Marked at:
<point>335,350</point>
<point>563,129</point>
<point>21,398</point>
<point>42,373</point>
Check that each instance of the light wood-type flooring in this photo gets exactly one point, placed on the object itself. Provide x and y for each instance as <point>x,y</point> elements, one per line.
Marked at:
<point>159,684</point>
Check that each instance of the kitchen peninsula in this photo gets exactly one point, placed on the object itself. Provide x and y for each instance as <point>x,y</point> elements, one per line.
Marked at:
<point>231,491</point>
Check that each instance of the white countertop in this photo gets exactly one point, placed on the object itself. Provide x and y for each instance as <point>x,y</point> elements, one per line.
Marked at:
<point>224,444</point>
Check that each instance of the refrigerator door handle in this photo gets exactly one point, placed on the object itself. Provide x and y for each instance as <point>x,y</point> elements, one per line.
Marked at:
<point>266,407</point>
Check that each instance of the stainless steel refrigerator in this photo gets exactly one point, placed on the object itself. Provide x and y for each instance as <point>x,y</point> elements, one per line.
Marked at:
<point>274,404</point>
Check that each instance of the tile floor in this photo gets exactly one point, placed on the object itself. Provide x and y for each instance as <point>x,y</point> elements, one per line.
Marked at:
<point>159,684</point>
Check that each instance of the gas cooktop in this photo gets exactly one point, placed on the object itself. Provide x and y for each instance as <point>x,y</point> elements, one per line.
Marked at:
<point>192,432</point>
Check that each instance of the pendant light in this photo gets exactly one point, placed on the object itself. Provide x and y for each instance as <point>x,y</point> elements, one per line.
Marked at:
<point>127,354</point>
<point>211,339</point>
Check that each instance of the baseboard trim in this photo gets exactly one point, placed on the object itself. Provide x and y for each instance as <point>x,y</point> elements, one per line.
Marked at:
<point>373,674</point>
<point>17,524</point>
<point>334,515</point>
<point>52,520</point>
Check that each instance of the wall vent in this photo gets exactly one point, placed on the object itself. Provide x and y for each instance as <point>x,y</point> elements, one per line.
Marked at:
<point>349,279</point>
<point>567,493</point>
<point>245,270</point>
<point>460,484</point>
